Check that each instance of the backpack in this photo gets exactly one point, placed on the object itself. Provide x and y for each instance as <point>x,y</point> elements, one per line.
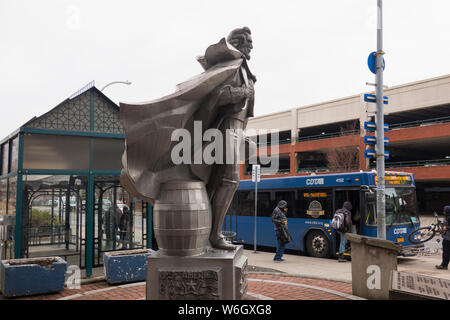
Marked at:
<point>338,222</point>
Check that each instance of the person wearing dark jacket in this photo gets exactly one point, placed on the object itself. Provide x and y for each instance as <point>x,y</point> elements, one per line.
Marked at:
<point>279,221</point>
<point>446,241</point>
<point>124,227</point>
<point>346,210</point>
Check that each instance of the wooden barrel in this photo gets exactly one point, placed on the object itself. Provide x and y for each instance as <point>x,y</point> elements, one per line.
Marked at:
<point>182,218</point>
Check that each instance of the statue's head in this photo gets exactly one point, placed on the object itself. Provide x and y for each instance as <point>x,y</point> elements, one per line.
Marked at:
<point>241,39</point>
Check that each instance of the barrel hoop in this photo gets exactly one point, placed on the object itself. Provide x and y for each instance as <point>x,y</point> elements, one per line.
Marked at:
<point>182,232</point>
<point>183,185</point>
<point>182,252</point>
<point>180,207</point>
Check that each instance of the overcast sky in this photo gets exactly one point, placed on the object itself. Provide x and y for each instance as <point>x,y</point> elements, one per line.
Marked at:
<point>304,52</point>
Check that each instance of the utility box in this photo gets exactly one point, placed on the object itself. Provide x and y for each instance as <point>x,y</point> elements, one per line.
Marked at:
<point>373,261</point>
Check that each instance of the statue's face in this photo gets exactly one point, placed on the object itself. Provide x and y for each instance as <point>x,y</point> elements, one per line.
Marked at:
<point>246,45</point>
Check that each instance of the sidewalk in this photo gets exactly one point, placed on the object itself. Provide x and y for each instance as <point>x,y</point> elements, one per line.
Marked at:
<point>296,278</point>
<point>260,287</point>
<point>332,270</point>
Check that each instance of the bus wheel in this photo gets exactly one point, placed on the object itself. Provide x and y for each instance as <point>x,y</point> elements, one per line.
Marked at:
<point>317,244</point>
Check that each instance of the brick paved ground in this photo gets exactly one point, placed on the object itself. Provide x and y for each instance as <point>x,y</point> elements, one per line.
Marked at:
<point>260,286</point>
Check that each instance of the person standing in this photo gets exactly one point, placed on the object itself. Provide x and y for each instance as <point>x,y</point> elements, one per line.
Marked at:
<point>347,225</point>
<point>279,221</point>
<point>124,226</point>
<point>446,241</point>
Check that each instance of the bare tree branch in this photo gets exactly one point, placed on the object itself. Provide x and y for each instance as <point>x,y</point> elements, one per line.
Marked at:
<point>345,158</point>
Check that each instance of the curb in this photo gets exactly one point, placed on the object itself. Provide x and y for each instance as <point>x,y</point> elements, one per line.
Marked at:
<point>280,274</point>
<point>284,274</point>
<point>92,280</point>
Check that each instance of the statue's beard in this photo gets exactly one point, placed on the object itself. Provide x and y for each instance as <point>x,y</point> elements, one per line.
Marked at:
<point>246,54</point>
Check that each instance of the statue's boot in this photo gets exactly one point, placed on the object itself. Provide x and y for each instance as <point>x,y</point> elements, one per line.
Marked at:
<point>219,242</point>
<point>221,201</point>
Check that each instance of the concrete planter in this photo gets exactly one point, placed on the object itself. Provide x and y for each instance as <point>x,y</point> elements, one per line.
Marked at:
<point>25,277</point>
<point>126,265</point>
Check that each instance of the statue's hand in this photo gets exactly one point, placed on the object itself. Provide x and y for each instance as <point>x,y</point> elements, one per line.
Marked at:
<point>249,92</point>
<point>234,95</point>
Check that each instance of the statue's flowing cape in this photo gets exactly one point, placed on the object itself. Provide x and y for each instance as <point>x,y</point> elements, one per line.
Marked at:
<point>149,126</point>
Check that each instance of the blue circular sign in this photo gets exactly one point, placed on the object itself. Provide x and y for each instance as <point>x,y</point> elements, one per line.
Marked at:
<point>372,62</point>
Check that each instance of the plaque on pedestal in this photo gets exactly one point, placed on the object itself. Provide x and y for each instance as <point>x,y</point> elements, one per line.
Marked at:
<point>412,286</point>
<point>214,275</point>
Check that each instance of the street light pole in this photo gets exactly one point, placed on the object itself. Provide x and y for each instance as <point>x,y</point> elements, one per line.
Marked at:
<point>381,200</point>
<point>124,82</point>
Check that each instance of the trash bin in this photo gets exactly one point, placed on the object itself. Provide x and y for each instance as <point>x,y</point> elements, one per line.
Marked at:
<point>373,261</point>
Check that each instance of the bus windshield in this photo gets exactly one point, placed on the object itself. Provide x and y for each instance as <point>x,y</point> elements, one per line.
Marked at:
<point>401,206</point>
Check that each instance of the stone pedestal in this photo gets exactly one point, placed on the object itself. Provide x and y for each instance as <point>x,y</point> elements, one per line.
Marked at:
<point>373,261</point>
<point>214,275</point>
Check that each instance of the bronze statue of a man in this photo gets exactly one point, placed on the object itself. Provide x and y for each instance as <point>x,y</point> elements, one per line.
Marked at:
<point>221,98</point>
<point>236,99</point>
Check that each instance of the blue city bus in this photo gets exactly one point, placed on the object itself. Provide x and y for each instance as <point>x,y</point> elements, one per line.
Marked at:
<point>313,199</point>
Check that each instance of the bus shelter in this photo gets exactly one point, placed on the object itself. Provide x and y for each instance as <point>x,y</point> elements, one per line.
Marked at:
<point>60,188</point>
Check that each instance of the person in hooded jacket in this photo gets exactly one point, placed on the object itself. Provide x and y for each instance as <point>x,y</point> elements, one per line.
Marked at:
<point>346,210</point>
<point>279,221</point>
<point>446,241</point>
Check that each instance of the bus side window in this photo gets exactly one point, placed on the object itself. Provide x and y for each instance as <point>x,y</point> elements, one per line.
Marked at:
<point>264,209</point>
<point>289,197</point>
<point>245,203</point>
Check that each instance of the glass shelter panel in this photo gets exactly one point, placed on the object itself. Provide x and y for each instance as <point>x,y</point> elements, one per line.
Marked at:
<point>5,158</point>
<point>56,152</point>
<point>54,216</point>
<point>107,153</point>
<point>14,154</point>
<point>12,195</point>
<point>119,218</point>
<point>138,224</point>
<point>3,195</point>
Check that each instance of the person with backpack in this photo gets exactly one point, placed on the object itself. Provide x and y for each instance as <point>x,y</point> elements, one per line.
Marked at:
<point>446,241</point>
<point>279,221</point>
<point>342,223</point>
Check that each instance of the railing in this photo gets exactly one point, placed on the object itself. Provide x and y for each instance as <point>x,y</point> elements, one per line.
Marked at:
<point>313,169</point>
<point>268,171</point>
<point>283,141</point>
<point>419,123</point>
<point>416,123</point>
<point>418,163</point>
<point>45,235</point>
<point>328,135</point>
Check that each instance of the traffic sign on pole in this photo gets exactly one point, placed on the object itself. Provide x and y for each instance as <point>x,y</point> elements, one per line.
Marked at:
<point>256,177</point>
<point>372,62</point>
<point>256,173</point>
<point>370,126</point>
<point>370,154</point>
<point>373,98</point>
<point>372,140</point>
